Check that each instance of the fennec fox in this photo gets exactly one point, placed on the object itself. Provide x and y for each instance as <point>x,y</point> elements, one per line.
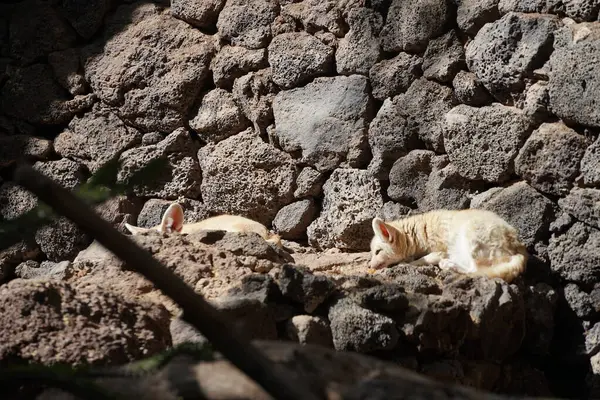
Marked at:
<point>172,221</point>
<point>474,242</point>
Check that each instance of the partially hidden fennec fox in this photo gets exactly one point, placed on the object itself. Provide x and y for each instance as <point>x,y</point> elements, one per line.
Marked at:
<point>473,242</point>
<point>172,221</point>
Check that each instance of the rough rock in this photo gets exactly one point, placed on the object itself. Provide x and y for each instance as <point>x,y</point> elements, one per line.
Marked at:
<point>540,305</point>
<point>218,117</point>
<point>579,301</point>
<point>96,138</point>
<point>65,172</point>
<point>15,254</point>
<point>549,159</point>
<point>590,164</point>
<point>389,139</point>
<point>126,67</point>
<point>32,94</point>
<point>85,16</point>
<point>303,287</point>
<point>254,93</point>
<point>444,58</point>
<point>15,200</point>
<point>12,148</point>
<point>198,13</point>
<point>308,329</point>
<point>524,208</point>
<point>243,175</point>
<point>232,62</point>
<point>392,211</point>
<point>119,210</point>
<point>483,142</point>
<point>152,138</point>
<point>317,15</point>
<point>573,85</point>
<point>469,90</point>
<point>410,174</point>
<point>424,105</point>
<point>334,134</point>
<point>536,101</point>
<point>471,15</point>
<point>308,183</point>
<point>583,204</point>
<point>592,340</point>
<point>66,67</point>
<point>351,199</point>
<point>37,29</point>
<point>574,255</point>
<point>357,329</point>
<point>394,76</point>
<point>292,220</point>
<point>580,10</point>
<point>49,322</point>
<point>248,316</point>
<point>406,30</point>
<point>519,44</point>
<point>447,189</point>
<point>359,49</point>
<point>153,210</point>
<point>182,332</point>
<point>247,23</point>
<point>180,175</point>
<point>296,58</point>
<point>45,270</point>
<point>61,239</point>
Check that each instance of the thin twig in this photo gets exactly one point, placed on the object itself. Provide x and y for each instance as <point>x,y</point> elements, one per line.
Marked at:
<point>205,318</point>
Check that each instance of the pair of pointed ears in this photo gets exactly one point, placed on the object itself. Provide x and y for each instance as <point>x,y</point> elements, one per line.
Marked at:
<point>172,220</point>
<point>383,230</point>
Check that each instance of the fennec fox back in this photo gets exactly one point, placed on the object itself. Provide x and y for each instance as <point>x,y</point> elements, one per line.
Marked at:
<point>172,221</point>
<point>473,242</point>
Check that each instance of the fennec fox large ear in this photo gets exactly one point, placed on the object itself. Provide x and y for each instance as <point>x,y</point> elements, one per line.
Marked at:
<point>134,230</point>
<point>384,231</point>
<point>172,220</point>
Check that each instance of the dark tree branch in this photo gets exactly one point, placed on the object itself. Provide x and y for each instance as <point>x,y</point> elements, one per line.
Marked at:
<point>205,318</point>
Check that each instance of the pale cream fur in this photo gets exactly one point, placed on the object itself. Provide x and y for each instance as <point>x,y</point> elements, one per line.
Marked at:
<point>473,242</point>
<point>172,221</point>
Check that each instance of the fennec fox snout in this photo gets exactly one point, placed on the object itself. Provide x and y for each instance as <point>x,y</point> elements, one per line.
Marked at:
<point>474,242</point>
<point>172,221</point>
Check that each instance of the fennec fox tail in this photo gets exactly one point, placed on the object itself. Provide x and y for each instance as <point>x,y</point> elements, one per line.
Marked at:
<point>473,242</point>
<point>172,221</point>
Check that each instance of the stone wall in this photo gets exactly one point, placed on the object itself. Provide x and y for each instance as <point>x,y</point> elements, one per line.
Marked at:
<point>314,116</point>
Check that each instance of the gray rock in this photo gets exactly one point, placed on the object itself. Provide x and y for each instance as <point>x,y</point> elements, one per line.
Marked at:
<point>66,67</point>
<point>359,49</point>
<point>573,86</point>
<point>247,23</point>
<point>298,57</point>
<point>575,255</point>
<point>85,16</point>
<point>385,298</point>
<point>409,175</point>
<point>583,204</point>
<point>32,94</point>
<point>392,211</point>
<point>579,301</point>
<point>254,93</point>
<point>119,210</point>
<point>394,76</point>
<point>446,188</point>
<point>508,50</point>
<point>334,134</point>
<point>317,15</point>
<point>180,173</point>
<point>562,222</point>
<point>389,139</point>
<point>357,329</point>
<point>407,30</point>
<point>96,138</point>
<point>536,101</point>
<point>590,164</point>
<point>44,270</point>
<point>444,58</point>
<point>424,105</point>
<point>292,220</point>
<point>540,306</point>
<point>549,159</point>
<point>471,15</point>
<point>525,209</point>
<point>308,329</point>
<point>303,287</point>
<point>592,340</point>
<point>151,213</point>
<point>483,142</point>
<point>243,175</point>
<point>65,172</point>
<point>149,93</point>
<point>580,10</point>
<point>232,62</point>
<point>351,199</point>
<point>218,117</point>
<point>182,332</point>
<point>469,90</point>
<point>309,183</point>
<point>199,13</point>
<point>151,138</point>
<point>61,240</point>
<point>15,200</point>
<point>248,315</point>
<point>36,29</point>
<point>15,147</point>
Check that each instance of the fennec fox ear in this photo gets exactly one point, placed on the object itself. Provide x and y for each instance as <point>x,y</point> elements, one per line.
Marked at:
<point>134,229</point>
<point>383,230</point>
<point>172,220</point>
